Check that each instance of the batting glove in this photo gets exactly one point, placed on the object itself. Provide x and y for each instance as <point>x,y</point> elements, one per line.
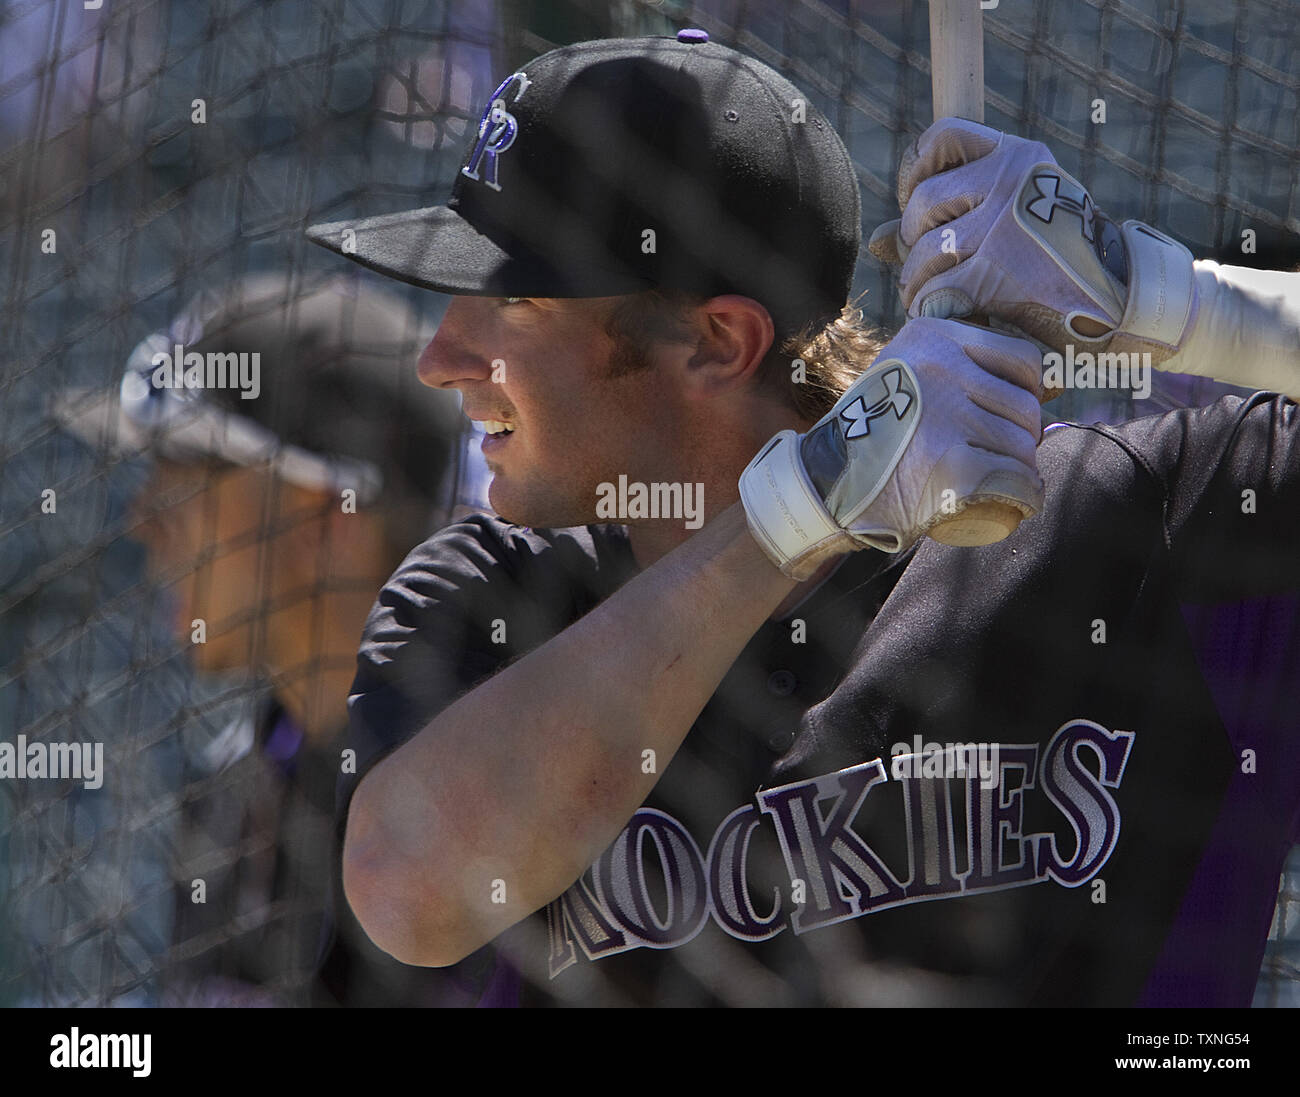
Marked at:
<point>947,415</point>
<point>991,224</point>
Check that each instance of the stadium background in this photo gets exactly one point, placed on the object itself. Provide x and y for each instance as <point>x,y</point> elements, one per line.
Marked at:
<point>319,110</point>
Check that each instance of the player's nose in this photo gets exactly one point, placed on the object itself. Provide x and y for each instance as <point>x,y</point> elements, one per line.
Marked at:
<point>451,356</point>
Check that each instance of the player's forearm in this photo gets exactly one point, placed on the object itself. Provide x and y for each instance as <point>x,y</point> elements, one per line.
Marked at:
<point>1246,330</point>
<point>517,787</point>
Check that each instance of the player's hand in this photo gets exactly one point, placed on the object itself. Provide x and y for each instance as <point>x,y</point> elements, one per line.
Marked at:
<point>992,225</point>
<point>946,416</point>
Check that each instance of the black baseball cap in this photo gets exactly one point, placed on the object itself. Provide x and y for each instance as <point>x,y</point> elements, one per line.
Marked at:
<point>318,383</point>
<point>611,167</point>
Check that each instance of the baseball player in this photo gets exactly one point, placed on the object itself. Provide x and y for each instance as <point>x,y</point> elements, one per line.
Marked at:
<point>281,487</point>
<point>805,753</point>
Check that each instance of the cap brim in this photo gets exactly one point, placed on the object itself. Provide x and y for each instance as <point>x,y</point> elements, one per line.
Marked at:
<point>435,248</point>
<point>98,419</point>
<point>200,430</point>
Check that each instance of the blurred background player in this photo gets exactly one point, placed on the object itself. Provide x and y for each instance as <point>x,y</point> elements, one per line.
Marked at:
<point>275,508</point>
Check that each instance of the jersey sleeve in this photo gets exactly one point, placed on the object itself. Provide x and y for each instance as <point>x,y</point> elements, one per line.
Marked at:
<point>476,596</point>
<point>1228,476</point>
<point>424,641</point>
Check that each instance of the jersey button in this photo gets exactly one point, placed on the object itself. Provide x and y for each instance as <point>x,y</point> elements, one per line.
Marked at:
<point>781,683</point>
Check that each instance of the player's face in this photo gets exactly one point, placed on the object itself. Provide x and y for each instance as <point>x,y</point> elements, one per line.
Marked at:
<point>200,526</point>
<point>542,367</point>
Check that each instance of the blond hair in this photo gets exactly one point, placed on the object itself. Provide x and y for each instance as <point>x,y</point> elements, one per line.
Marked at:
<point>832,356</point>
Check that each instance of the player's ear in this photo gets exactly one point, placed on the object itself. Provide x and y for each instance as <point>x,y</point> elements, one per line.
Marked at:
<point>735,335</point>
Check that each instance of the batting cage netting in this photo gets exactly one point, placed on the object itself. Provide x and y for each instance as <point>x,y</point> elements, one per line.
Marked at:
<point>159,162</point>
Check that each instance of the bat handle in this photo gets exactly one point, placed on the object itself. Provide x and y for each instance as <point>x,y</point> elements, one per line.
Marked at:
<point>957,80</point>
<point>982,523</point>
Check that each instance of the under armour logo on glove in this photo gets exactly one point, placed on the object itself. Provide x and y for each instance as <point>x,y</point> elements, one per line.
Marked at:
<point>965,429</point>
<point>897,398</point>
<point>1059,192</point>
<point>980,235</point>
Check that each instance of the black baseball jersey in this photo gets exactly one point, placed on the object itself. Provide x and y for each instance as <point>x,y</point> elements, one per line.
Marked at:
<point>1062,769</point>
<point>256,828</point>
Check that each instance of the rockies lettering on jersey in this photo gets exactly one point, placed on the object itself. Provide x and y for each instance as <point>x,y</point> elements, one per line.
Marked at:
<point>496,130</point>
<point>609,909</point>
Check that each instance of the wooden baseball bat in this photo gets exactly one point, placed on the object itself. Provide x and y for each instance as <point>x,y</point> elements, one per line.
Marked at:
<point>957,84</point>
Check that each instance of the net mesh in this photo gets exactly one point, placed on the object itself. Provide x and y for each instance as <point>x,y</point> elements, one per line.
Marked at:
<point>117,205</point>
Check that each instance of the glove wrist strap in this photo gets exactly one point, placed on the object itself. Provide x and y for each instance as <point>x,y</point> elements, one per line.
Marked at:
<point>1161,290</point>
<point>786,515</point>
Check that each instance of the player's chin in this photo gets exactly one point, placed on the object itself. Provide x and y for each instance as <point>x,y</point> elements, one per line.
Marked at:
<point>537,506</point>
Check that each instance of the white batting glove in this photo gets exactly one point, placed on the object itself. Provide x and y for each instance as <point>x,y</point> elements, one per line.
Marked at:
<point>991,224</point>
<point>947,415</point>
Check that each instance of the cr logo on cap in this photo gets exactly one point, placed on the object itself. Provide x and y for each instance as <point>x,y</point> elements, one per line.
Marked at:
<point>496,130</point>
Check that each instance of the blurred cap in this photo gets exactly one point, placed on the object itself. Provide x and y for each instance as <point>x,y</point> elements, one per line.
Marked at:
<point>320,384</point>
<point>611,167</point>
